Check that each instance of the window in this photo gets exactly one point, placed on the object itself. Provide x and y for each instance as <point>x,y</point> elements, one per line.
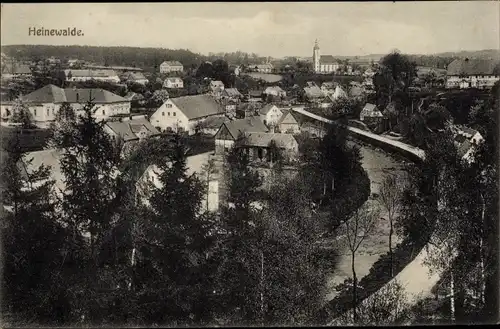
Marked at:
<point>34,112</point>
<point>103,112</point>
<point>162,114</point>
<point>169,105</point>
<point>168,113</point>
<point>48,111</point>
<point>173,113</point>
<point>53,111</point>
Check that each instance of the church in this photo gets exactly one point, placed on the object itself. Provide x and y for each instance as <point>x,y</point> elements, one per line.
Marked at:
<point>323,63</point>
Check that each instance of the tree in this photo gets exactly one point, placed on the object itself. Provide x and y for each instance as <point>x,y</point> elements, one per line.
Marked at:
<point>209,170</point>
<point>89,164</point>
<point>62,127</point>
<point>22,115</point>
<point>356,229</point>
<point>390,199</point>
<point>173,266</point>
<point>32,243</point>
<point>159,97</point>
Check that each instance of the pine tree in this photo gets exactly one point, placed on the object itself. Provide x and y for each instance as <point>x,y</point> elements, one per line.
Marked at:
<point>173,251</point>
<point>32,244</point>
<point>89,164</point>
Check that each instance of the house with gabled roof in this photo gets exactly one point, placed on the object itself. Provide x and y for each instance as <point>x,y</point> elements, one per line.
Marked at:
<point>135,77</point>
<point>45,102</point>
<point>288,124</point>
<point>258,146</point>
<point>270,114</point>
<point>171,66</point>
<point>229,132</point>
<point>185,113</point>
<point>173,83</point>
<point>472,73</point>
<point>15,70</point>
<point>275,91</point>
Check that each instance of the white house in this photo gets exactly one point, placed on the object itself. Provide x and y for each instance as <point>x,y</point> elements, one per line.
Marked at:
<point>263,68</point>
<point>185,113</point>
<point>173,83</point>
<point>86,75</point>
<point>338,93</point>
<point>288,124</point>
<point>466,140</point>
<point>324,63</point>
<point>275,91</point>
<point>472,73</point>
<point>270,114</point>
<point>216,87</point>
<point>171,66</point>
<point>45,102</point>
<point>370,112</point>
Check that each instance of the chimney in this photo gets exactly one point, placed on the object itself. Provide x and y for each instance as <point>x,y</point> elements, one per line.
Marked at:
<point>77,97</point>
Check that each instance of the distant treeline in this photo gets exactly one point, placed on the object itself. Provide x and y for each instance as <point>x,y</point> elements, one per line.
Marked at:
<point>146,58</point>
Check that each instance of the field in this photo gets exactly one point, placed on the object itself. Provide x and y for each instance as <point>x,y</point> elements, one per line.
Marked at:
<point>269,78</point>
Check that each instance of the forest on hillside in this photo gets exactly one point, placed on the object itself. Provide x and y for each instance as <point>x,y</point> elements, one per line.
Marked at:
<point>147,58</point>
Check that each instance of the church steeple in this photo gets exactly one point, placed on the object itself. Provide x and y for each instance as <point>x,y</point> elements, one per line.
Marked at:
<point>316,46</point>
<point>316,57</point>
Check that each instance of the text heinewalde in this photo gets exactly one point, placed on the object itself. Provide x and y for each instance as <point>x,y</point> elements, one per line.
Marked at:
<point>68,32</point>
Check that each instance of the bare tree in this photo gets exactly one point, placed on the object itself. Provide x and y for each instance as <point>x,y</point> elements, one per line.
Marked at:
<point>209,169</point>
<point>390,200</point>
<point>356,229</point>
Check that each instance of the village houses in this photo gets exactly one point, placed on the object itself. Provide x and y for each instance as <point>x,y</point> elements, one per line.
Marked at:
<point>275,91</point>
<point>472,73</point>
<point>185,113</point>
<point>173,83</point>
<point>45,102</point>
<point>171,66</point>
<point>87,75</point>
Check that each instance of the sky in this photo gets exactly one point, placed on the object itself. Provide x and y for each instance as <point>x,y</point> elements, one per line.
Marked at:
<point>268,29</point>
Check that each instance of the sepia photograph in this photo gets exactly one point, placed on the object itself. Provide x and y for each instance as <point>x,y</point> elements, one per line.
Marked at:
<point>249,164</point>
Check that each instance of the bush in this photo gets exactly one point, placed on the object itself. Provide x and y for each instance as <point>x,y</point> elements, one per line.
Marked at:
<point>378,276</point>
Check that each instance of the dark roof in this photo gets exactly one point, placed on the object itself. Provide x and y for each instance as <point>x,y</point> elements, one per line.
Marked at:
<point>266,108</point>
<point>46,94</point>
<point>474,67</point>
<point>231,92</point>
<point>197,106</point>
<point>252,124</point>
<point>129,128</point>
<point>135,76</point>
<point>263,139</point>
<point>327,59</point>
<point>287,114</point>
<point>97,95</point>
<point>313,92</point>
<point>214,122</point>
<point>463,148</point>
<point>16,69</point>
